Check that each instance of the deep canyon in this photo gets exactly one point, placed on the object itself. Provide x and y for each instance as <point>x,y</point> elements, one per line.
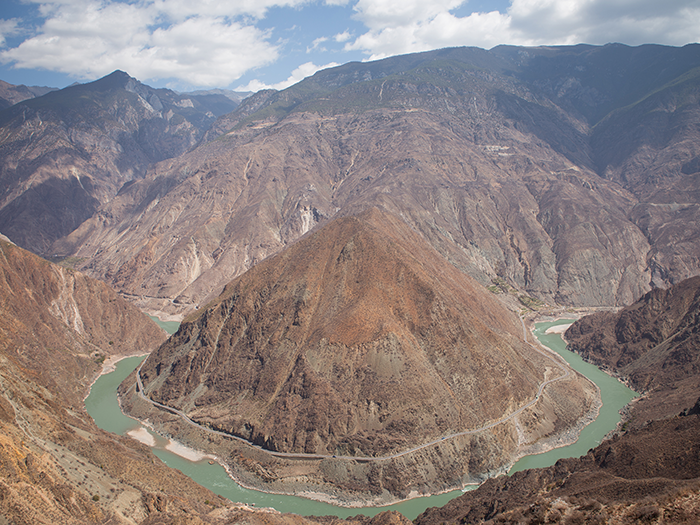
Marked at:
<point>352,260</point>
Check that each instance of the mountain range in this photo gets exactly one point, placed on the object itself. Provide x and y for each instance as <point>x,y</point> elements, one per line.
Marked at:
<point>65,153</point>
<point>350,258</point>
<point>568,173</point>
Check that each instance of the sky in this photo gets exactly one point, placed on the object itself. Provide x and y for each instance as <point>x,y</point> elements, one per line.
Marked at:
<point>248,45</point>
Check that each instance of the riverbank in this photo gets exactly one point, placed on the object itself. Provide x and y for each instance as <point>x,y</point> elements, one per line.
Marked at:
<point>109,365</point>
<point>268,472</point>
<point>218,479</point>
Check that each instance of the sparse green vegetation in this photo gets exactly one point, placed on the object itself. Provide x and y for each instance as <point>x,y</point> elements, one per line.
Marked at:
<point>500,286</point>
<point>530,302</point>
<point>67,262</point>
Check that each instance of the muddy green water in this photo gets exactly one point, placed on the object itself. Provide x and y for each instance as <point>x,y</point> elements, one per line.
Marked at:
<point>102,405</point>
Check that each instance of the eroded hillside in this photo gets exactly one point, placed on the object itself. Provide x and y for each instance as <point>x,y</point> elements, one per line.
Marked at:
<point>528,166</point>
<point>356,354</point>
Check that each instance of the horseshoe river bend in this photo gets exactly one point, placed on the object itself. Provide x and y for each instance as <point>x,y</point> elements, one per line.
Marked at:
<point>103,406</point>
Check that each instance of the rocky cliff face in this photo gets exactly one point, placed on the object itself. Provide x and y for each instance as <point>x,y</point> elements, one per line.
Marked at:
<point>361,341</point>
<point>67,152</point>
<point>61,325</point>
<point>628,480</point>
<point>515,164</point>
<point>56,327</point>
<point>653,344</point>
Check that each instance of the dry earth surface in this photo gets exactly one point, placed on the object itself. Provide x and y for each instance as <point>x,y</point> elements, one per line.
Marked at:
<point>531,167</point>
<point>56,466</point>
<point>649,471</point>
<point>349,351</point>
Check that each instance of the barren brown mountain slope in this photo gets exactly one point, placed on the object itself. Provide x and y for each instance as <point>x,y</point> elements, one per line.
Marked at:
<point>653,343</point>
<point>56,466</point>
<point>649,475</point>
<point>56,327</point>
<point>67,152</point>
<point>61,325</point>
<point>529,165</point>
<point>11,94</point>
<point>504,206</point>
<point>650,471</point>
<point>361,341</point>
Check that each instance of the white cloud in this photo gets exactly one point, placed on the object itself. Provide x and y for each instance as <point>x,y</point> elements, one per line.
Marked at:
<point>177,10</point>
<point>378,15</point>
<point>215,42</point>
<point>633,22</point>
<point>181,9</point>
<point>342,37</point>
<point>300,73</point>
<point>150,40</point>
<point>316,44</point>
<point>406,26</point>
<point>7,28</point>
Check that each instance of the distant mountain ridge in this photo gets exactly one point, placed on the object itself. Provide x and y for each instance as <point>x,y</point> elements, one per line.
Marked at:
<point>10,94</point>
<point>67,152</point>
<point>533,166</point>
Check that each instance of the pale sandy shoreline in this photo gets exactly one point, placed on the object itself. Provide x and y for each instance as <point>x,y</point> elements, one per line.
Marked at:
<point>110,365</point>
<point>187,452</point>
<point>559,329</point>
<point>143,436</point>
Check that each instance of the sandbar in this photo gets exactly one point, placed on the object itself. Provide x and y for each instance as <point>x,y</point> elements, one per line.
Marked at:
<point>142,435</point>
<point>559,329</point>
<point>186,452</point>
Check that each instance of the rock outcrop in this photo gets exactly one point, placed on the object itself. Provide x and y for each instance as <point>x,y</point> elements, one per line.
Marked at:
<point>649,471</point>
<point>61,325</point>
<point>653,344</point>
<point>649,475</point>
<point>56,466</point>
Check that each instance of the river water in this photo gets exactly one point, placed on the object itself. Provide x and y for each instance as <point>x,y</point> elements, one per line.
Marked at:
<point>102,405</point>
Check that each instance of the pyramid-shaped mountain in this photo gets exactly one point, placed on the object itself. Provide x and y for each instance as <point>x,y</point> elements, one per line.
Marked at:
<point>358,340</point>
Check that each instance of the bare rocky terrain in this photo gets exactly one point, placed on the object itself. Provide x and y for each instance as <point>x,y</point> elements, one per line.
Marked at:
<point>649,475</point>
<point>68,151</point>
<point>350,350</point>
<point>649,471</point>
<point>337,251</point>
<point>56,466</point>
<point>11,94</point>
<point>652,345</point>
<point>531,166</point>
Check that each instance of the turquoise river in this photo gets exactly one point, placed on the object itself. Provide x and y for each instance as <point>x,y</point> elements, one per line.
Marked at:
<point>102,405</point>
